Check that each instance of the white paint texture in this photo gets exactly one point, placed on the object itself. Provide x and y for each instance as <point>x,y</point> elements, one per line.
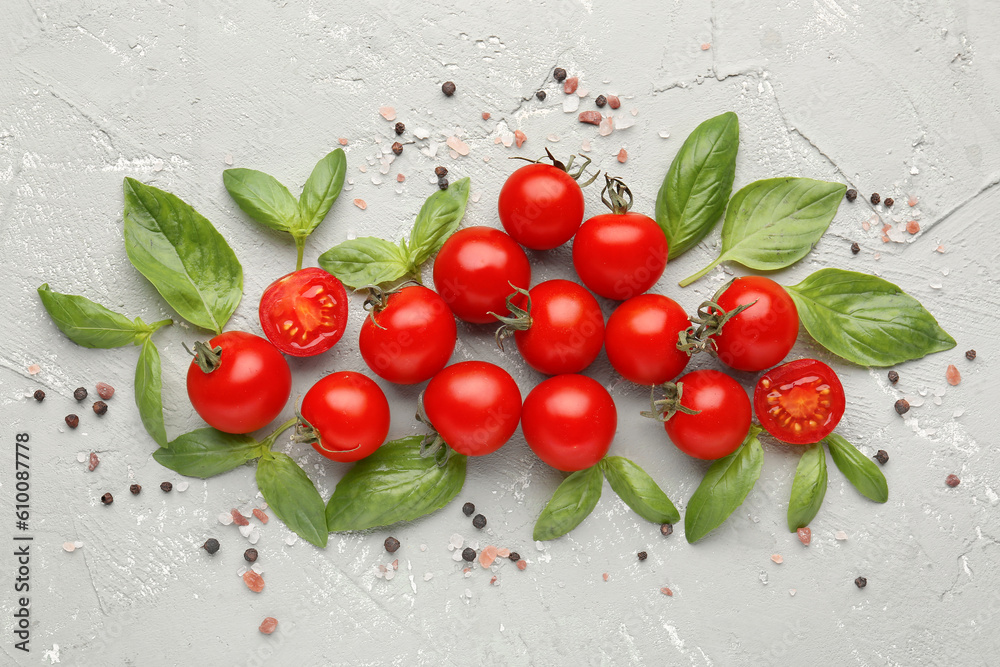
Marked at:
<point>894,97</point>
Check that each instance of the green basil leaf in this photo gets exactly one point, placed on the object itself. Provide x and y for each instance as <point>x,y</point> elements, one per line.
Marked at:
<point>148,392</point>
<point>724,488</point>
<point>262,197</point>
<point>865,319</point>
<point>774,223</point>
<point>859,470</point>
<point>698,183</point>
<point>365,261</point>
<point>634,486</point>
<point>321,191</point>
<point>438,219</point>
<point>206,452</point>
<point>292,496</point>
<point>185,258</point>
<point>572,502</point>
<point>808,489</point>
<point>92,325</point>
<point>394,484</point>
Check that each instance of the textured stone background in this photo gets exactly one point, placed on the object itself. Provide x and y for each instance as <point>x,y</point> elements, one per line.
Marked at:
<point>895,97</point>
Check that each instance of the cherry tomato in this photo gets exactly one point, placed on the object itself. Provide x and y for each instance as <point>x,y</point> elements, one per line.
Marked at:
<point>763,334</point>
<point>641,339</point>
<point>569,421</point>
<point>247,386</point>
<point>800,402</point>
<point>304,313</point>
<point>348,415</point>
<point>541,206</point>
<point>619,255</point>
<point>474,270</point>
<point>411,338</point>
<point>474,405</point>
<point>567,328</point>
<point>723,421</point>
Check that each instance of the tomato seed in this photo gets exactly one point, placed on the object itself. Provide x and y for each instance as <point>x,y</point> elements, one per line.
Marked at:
<point>852,194</point>
<point>105,390</point>
<point>642,555</point>
<point>40,395</point>
<point>400,128</point>
<point>468,554</point>
<point>952,481</point>
<point>448,88</point>
<point>391,544</point>
<point>855,248</point>
<point>902,406</point>
<point>969,354</point>
<point>860,582</point>
<point>100,407</point>
<point>881,456</point>
<point>107,499</point>
<point>893,377</point>
<point>250,555</point>
<point>79,393</point>
<point>540,95</point>
<point>468,509</point>
<point>559,74</point>
<point>135,489</point>
<point>211,545</point>
<point>268,625</point>
<point>479,521</point>
<point>72,421</point>
<point>876,198</point>
<point>166,487</point>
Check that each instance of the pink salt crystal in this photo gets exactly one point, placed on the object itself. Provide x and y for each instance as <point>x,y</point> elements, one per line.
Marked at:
<point>912,200</point>
<point>94,461</point>
<point>666,591</point>
<point>487,556</point>
<point>493,581</point>
<point>238,518</point>
<point>805,535</point>
<point>569,86</point>
<point>522,564</point>
<point>400,178</point>
<point>343,141</point>
<point>395,564</point>
<point>913,226</point>
<point>777,558</point>
<point>613,101</point>
<point>361,203</point>
<point>952,375</point>
<point>486,115</point>
<point>885,238</point>
<point>263,518</point>
<point>706,46</point>
<point>503,553</point>
<point>496,140</point>
<point>585,146</point>
<point>457,145</point>
<point>466,570</point>
<point>268,625</point>
<point>607,126</point>
<point>519,137</point>
<point>605,576</point>
<point>939,249</point>
<point>389,113</point>
<point>622,156</point>
<point>865,225</point>
<point>253,581</point>
<point>363,169</point>
<point>592,117</point>
<point>105,390</point>
<point>34,369</point>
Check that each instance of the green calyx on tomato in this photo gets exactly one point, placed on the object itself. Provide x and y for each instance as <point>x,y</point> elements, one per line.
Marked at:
<point>207,358</point>
<point>566,167</point>
<point>707,324</point>
<point>664,408</point>
<point>519,318</point>
<point>616,195</point>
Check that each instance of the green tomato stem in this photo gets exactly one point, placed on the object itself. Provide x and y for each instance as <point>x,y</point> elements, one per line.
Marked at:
<point>300,248</point>
<point>690,279</point>
<point>269,441</point>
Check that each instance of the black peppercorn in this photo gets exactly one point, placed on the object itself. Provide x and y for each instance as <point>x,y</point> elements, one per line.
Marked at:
<point>514,556</point>
<point>642,555</point>
<point>166,487</point>
<point>443,183</point>
<point>448,88</point>
<point>881,456</point>
<point>40,395</point>
<point>902,406</point>
<point>440,171</point>
<point>970,355</point>
<point>397,148</point>
<point>860,582</point>
<point>876,198</point>
<point>540,95</point>
<point>72,421</point>
<point>893,377</point>
<point>211,545</point>
<point>852,194</point>
<point>601,101</point>
<point>666,529</point>
<point>468,509</point>
<point>559,74</point>
<point>400,128</point>
<point>79,393</point>
<point>135,489</point>
<point>107,499</point>
<point>469,554</point>
<point>250,555</point>
<point>479,521</point>
<point>889,201</point>
<point>100,407</point>
<point>855,248</point>
<point>391,544</point>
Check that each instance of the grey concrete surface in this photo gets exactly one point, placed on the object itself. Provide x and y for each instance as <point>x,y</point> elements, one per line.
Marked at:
<point>894,97</point>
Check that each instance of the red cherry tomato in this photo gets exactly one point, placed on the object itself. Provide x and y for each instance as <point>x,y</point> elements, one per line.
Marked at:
<point>619,255</point>
<point>348,414</point>
<point>567,328</point>
<point>474,270</point>
<point>569,421</point>
<point>304,313</point>
<point>541,206</point>
<point>247,388</point>
<point>411,338</point>
<point>641,339</point>
<point>723,421</point>
<point>800,402</point>
<point>474,405</point>
<point>763,334</point>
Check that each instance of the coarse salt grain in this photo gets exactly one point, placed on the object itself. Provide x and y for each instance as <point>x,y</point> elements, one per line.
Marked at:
<point>421,133</point>
<point>245,530</point>
<point>400,178</point>
<point>777,558</point>
<point>342,141</point>
<point>570,104</point>
<point>519,137</point>
<point>606,127</point>
<point>428,576</point>
<point>792,592</point>
<point>423,547</point>
<point>952,375</point>
<point>182,486</point>
<point>458,145</point>
<point>605,576</point>
<point>456,556</point>
<point>455,541</point>
<point>291,539</point>
<point>592,117</point>
<point>664,134</point>
<point>522,564</point>
<point>361,203</point>
<point>706,46</point>
<point>613,101</point>
<point>570,85</point>
<point>840,535</point>
<point>81,457</point>
<point>254,535</point>
<point>622,156</point>
<point>666,591</point>
<point>805,535</point>
<point>390,575</point>
<point>34,369</point>
<point>78,544</point>
<point>585,146</point>
<point>263,518</point>
<point>582,92</point>
<point>228,159</point>
<point>487,556</point>
<point>389,113</point>
<point>507,139</point>
<point>69,547</point>
<point>486,115</point>
<point>268,625</point>
<point>253,581</point>
<point>94,462</point>
<point>503,553</point>
<point>238,517</point>
<point>553,138</point>
<point>913,226</point>
<point>225,518</point>
<point>363,169</point>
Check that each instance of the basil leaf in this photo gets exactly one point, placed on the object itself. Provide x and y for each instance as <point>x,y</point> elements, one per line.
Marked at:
<point>724,488</point>
<point>859,470</point>
<point>808,489</point>
<point>321,190</point>
<point>148,392</point>
<point>183,255</point>
<point>92,325</point>
<point>572,502</point>
<point>262,197</point>
<point>292,496</point>
<point>206,452</point>
<point>365,261</point>
<point>698,183</point>
<point>394,484</point>
<point>774,223</point>
<point>438,219</point>
<point>638,490</point>
<point>865,319</point>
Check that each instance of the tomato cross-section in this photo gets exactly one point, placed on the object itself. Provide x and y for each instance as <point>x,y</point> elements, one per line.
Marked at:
<point>800,402</point>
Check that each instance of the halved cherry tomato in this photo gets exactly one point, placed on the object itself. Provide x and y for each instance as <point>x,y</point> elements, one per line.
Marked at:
<point>569,421</point>
<point>474,406</point>
<point>723,418</point>
<point>304,313</point>
<point>619,255</point>
<point>763,334</point>
<point>541,206</point>
<point>347,416</point>
<point>474,272</point>
<point>641,339</point>
<point>800,402</point>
